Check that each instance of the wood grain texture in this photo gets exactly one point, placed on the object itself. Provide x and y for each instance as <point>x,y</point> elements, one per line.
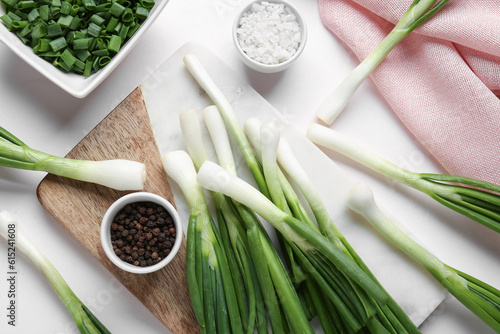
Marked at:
<point>79,207</point>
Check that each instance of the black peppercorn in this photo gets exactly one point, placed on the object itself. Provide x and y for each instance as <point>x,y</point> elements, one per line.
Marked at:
<point>142,233</point>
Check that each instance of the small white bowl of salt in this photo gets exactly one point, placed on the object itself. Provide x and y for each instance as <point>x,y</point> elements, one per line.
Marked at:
<point>269,35</point>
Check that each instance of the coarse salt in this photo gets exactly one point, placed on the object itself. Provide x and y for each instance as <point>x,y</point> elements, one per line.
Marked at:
<point>269,33</point>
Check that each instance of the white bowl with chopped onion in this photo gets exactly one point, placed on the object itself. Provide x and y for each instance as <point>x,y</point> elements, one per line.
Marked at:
<point>73,83</point>
<point>269,35</point>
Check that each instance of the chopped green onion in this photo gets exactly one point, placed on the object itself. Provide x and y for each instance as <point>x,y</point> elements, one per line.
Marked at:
<point>43,45</point>
<point>123,32</point>
<point>58,44</point>
<point>74,10</point>
<point>93,30</point>
<point>65,21</point>
<point>114,43</point>
<point>33,15</point>
<point>32,20</point>
<point>104,60</point>
<point>96,19</point>
<point>10,3</point>
<point>119,174</point>
<point>82,43</point>
<point>85,321</point>
<point>39,30</point>
<point>113,21</point>
<point>68,58</point>
<point>26,4</point>
<point>418,12</point>
<point>88,68</point>
<point>127,16</point>
<point>19,24</point>
<point>75,23</point>
<point>116,9</point>
<point>482,299</point>
<point>82,54</point>
<point>141,13</point>
<point>7,21</point>
<point>101,52</point>
<point>478,200</point>
<point>65,8</point>
<point>147,3</point>
<point>89,4</point>
<point>54,29</point>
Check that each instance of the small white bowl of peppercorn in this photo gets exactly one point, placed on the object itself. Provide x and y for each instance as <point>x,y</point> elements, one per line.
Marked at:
<point>141,232</point>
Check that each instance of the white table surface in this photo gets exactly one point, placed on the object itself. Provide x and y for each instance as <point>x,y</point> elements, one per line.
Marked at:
<point>49,119</point>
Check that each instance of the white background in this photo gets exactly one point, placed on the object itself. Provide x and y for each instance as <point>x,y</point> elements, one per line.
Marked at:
<point>49,119</point>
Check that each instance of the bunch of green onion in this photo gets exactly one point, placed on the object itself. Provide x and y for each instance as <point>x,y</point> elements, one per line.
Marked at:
<point>210,282</point>
<point>479,297</point>
<point>119,174</point>
<point>262,285</point>
<point>353,297</point>
<point>85,321</point>
<point>418,12</point>
<point>476,199</point>
<point>389,316</point>
<point>75,36</point>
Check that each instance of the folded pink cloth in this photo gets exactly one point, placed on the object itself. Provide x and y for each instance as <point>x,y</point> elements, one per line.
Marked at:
<point>442,81</point>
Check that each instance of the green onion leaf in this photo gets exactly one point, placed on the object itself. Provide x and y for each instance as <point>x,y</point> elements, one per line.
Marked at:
<point>58,44</point>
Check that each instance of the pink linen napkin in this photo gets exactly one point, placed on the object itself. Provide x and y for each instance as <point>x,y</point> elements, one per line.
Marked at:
<point>442,81</point>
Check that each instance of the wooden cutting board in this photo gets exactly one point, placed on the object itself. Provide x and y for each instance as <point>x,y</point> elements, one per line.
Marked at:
<point>79,207</point>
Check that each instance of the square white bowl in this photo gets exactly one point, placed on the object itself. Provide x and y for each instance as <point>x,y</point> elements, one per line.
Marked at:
<point>75,84</point>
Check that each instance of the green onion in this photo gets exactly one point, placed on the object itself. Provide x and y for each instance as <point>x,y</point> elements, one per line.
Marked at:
<point>65,8</point>
<point>114,43</point>
<point>388,316</point>
<point>418,12</point>
<point>476,199</point>
<point>85,321</point>
<point>54,29</point>
<point>101,52</point>
<point>249,248</point>
<point>479,297</point>
<point>19,24</point>
<point>10,3</point>
<point>7,21</point>
<point>207,268</point>
<point>116,9</point>
<point>33,15</point>
<point>119,174</point>
<point>44,13</point>
<point>68,58</point>
<point>58,44</point>
<point>82,43</point>
<point>395,315</point>
<point>141,12</point>
<point>93,30</point>
<point>333,271</point>
<point>96,19</point>
<point>38,31</point>
<point>89,4</point>
<point>65,21</point>
<point>26,4</point>
<point>196,69</point>
<point>214,178</point>
<point>73,20</point>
